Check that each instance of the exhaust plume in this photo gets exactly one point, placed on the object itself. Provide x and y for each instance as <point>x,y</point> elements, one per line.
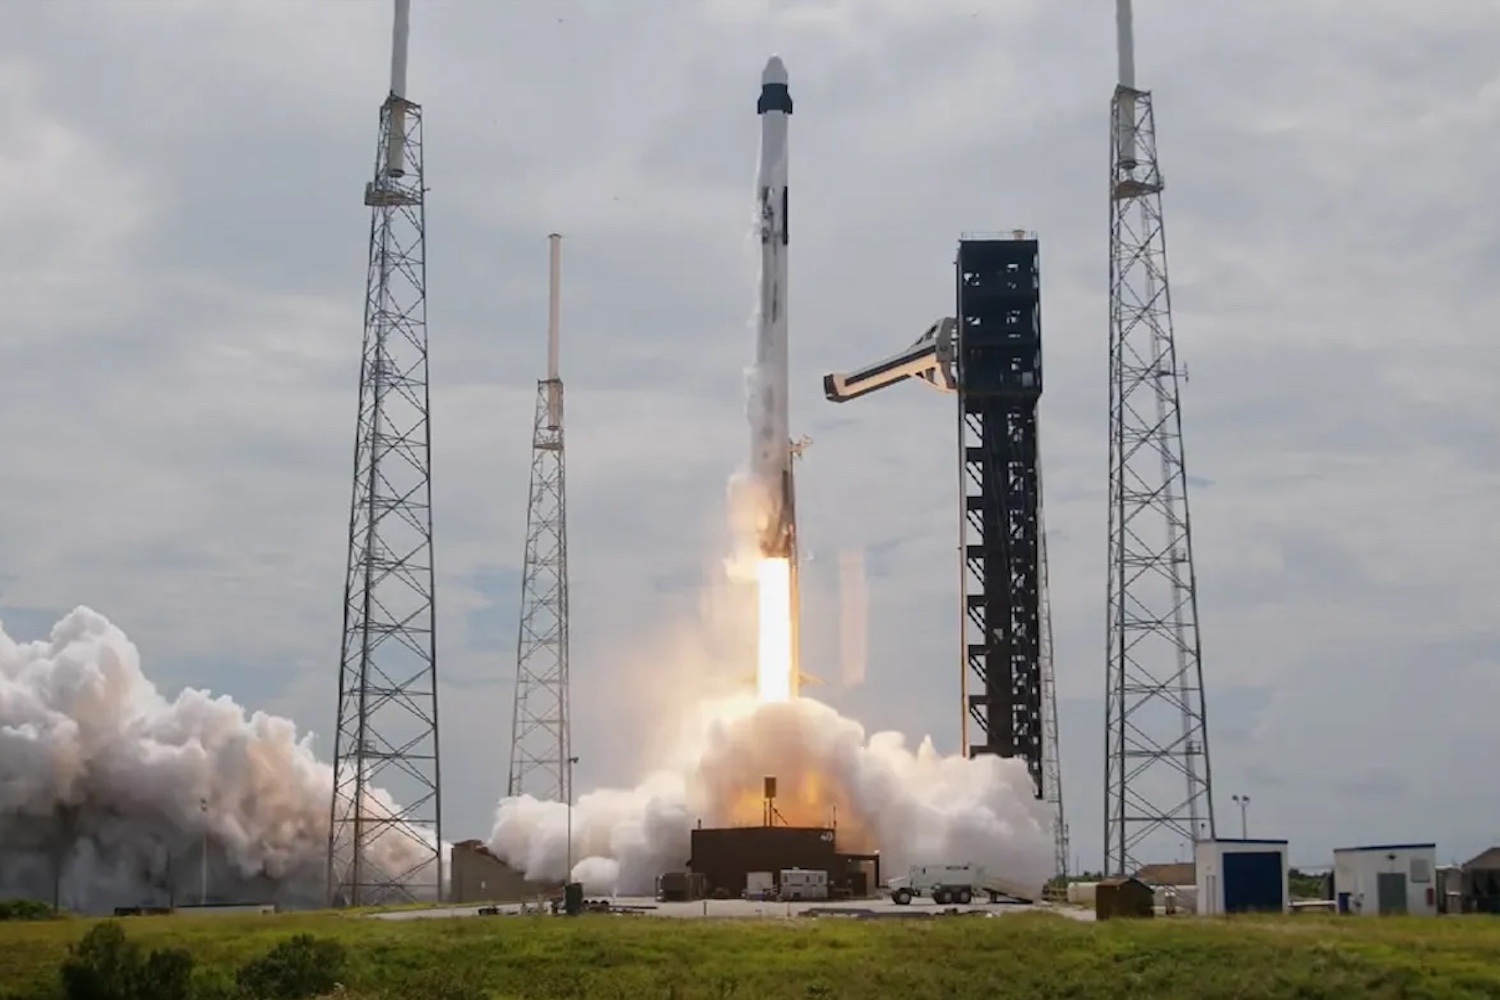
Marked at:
<point>109,791</point>
<point>913,805</point>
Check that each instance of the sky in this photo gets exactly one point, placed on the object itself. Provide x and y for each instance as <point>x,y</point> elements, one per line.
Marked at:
<point>182,254</point>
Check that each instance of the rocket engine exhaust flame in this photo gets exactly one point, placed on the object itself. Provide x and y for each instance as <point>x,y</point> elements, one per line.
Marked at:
<point>776,662</point>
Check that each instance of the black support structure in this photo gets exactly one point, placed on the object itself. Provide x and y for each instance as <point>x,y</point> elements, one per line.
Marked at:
<point>999,373</point>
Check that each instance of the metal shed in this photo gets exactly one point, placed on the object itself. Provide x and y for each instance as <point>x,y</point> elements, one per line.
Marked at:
<point>1123,897</point>
<point>1386,879</point>
<point>1242,876</point>
<point>1481,882</point>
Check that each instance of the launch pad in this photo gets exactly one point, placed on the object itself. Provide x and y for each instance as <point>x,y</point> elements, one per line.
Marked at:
<point>727,859</point>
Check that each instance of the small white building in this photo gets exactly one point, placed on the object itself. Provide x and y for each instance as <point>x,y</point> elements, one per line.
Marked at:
<point>1386,879</point>
<point>1242,876</point>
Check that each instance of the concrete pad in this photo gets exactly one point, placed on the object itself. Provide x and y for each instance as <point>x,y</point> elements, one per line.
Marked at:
<point>725,909</point>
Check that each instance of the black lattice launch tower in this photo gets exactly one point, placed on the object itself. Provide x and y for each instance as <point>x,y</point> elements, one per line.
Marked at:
<point>387,735</point>
<point>991,356</point>
<point>540,751</point>
<point>1000,383</point>
<point>1157,777</point>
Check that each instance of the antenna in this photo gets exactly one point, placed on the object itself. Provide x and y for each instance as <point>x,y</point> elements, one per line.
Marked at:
<point>1125,119</point>
<point>395,155</point>
<point>554,309</point>
<point>402,28</point>
<point>1125,43</point>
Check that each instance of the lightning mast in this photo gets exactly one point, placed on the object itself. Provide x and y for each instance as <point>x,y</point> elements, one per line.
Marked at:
<point>1157,778</point>
<point>540,745</point>
<point>387,733</point>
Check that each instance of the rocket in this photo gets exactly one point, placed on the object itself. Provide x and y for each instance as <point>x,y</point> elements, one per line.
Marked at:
<point>771,448</point>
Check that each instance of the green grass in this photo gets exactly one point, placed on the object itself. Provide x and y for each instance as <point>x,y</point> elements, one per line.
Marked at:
<point>1032,956</point>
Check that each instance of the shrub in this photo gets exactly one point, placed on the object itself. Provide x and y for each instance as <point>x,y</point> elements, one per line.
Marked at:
<point>25,909</point>
<point>299,967</point>
<point>105,966</point>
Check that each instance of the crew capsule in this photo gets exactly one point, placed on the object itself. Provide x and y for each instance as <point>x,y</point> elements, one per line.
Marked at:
<point>774,95</point>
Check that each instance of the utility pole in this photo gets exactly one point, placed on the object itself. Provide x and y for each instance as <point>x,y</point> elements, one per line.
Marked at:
<point>203,851</point>
<point>571,762</point>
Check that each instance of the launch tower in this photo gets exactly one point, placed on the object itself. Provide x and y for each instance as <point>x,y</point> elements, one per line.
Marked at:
<point>990,355</point>
<point>999,353</point>
<point>387,732</point>
<point>1156,773</point>
<point>540,745</point>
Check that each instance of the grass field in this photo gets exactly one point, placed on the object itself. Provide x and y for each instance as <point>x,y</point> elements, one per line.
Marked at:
<point>1032,956</point>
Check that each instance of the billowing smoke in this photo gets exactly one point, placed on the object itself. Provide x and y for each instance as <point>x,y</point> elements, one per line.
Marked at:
<point>914,806</point>
<point>113,790</point>
<point>110,793</point>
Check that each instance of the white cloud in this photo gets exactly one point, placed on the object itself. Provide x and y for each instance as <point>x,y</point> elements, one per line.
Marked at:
<point>184,253</point>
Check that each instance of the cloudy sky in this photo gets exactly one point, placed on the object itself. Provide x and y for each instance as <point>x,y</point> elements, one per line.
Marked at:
<point>183,247</point>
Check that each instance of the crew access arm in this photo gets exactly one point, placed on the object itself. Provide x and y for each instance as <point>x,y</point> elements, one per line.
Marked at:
<point>929,360</point>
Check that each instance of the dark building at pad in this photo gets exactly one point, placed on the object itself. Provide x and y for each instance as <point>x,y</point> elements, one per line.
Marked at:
<point>726,856</point>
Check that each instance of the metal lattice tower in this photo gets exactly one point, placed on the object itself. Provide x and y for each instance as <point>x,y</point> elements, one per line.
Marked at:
<point>1157,776</point>
<point>540,751</point>
<point>387,734</point>
<point>999,366</point>
<point>1051,755</point>
<point>990,355</point>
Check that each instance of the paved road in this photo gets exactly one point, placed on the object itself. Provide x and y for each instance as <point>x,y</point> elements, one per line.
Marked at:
<point>741,908</point>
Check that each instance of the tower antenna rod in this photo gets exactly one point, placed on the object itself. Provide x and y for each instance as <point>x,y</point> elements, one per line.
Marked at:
<point>554,334</point>
<point>1125,43</point>
<point>554,304</point>
<point>395,154</point>
<point>400,31</point>
<point>1125,118</point>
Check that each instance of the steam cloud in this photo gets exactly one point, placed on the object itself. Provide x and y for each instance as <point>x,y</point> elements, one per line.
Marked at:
<point>102,780</point>
<point>915,807</point>
<point>115,789</point>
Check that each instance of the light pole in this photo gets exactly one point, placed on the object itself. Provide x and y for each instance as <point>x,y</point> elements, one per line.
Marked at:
<point>569,877</point>
<point>1243,801</point>
<point>203,873</point>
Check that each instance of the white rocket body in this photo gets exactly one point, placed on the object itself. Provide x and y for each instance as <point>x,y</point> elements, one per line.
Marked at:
<point>770,431</point>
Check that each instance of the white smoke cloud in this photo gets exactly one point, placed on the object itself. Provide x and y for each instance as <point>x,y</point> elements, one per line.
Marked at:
<point>914,806</point>
<point>103,779</point>
<point>117,788</point>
